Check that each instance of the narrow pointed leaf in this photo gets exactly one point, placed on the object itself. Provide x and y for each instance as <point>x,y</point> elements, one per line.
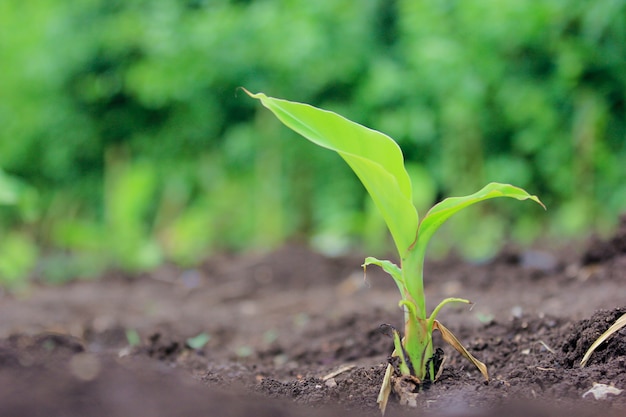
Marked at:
<point>445,209</point>
<point>374,157</point>
<point>621,322</point>
<point>385,390</point>
<point>390,268</point>
<point>443,302</point>
<point>451,339</point>
<point>405,363</point>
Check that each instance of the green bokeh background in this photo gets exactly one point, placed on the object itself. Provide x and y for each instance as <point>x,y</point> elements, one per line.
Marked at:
<point>125,143</point>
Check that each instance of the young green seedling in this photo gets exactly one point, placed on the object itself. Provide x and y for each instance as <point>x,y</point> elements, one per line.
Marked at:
<point>378,162</point>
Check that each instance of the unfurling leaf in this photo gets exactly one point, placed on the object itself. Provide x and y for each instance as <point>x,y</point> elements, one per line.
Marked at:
<point>451,339</point>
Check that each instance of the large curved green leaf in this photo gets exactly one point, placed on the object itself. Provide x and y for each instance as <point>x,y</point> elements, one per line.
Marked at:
<point>375,158</point>
<point>442,211</point>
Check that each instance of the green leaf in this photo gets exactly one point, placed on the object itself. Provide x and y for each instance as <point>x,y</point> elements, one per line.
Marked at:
<point>390,268</point>
<point>433,315</point>
<point>405,364</point>
<point>443,210</point>
<point>198,342</point>
<point>133,337</point>
<point>374,157</point>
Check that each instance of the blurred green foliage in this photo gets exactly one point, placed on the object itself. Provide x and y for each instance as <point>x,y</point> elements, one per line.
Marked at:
<point>123,118</point>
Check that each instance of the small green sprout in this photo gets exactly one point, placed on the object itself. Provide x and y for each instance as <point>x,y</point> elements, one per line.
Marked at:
<point>199,341</point>
<point>378,162</point>
<point>132,337</point>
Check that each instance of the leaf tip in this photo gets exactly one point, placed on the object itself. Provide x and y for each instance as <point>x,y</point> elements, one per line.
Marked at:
<point>253,95</point>
<point>538,201</point>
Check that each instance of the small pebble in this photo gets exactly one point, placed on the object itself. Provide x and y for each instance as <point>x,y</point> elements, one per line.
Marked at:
<point>331,383</point>
<point>600,391</point>
<point>85,366</point>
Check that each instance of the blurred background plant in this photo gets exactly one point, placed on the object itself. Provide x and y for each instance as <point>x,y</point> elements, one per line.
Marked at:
<point>125,143</point>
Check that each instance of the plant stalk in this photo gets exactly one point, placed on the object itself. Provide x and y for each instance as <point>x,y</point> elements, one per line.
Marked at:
<point>417,334</point>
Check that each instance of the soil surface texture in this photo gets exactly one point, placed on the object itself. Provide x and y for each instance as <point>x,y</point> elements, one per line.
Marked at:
<point>294,333</point>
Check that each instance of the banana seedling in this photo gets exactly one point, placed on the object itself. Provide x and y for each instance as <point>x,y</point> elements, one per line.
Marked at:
<point>378,162</point>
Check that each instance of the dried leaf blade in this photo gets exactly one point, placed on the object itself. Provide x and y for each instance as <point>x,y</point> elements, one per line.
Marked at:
<point>385,390</point>
<point>451,339</point>
<point>621,322</point>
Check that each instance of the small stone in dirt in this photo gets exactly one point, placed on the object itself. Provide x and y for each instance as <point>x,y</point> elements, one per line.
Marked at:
<point>405,387</point>
<point>517,312</point>
<point>538,260</point>
<point>85,366</point>
<point>125,351</point>
<point>600,391</point>
<point>331,383</point>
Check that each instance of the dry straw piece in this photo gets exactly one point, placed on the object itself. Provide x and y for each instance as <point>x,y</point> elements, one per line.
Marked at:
<point>621,322</point>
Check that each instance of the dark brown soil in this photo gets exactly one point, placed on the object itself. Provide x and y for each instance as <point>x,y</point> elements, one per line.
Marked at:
<point>292,333</point>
